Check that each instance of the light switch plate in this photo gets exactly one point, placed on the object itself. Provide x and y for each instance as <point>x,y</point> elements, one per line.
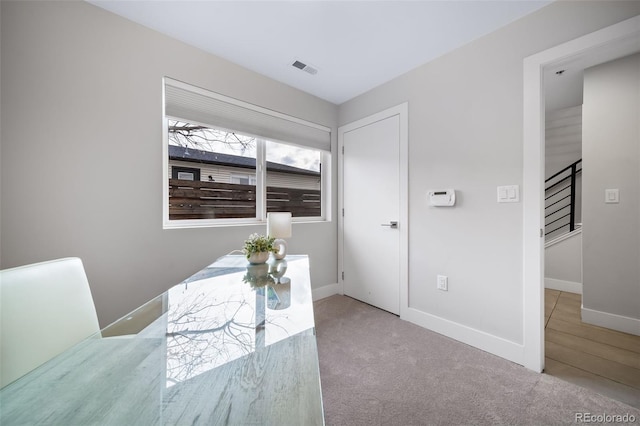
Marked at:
<point>509,194</point>
<point>443,283</point>
<point>611,196</point>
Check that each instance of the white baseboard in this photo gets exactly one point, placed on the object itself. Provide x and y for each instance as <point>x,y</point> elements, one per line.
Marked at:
<point>562,285</point>
<point>612,321</point>
<point>487,342</point>
<point>325,291</point>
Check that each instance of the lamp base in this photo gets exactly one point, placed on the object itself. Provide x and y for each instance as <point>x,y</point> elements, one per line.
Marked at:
<point>281,246</point>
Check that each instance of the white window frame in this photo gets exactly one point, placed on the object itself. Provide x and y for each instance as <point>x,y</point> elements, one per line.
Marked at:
<point>260,173</point>
<point>253,180</point>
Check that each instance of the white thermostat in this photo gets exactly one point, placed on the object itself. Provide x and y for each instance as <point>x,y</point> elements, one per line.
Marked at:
<point>442,197</point>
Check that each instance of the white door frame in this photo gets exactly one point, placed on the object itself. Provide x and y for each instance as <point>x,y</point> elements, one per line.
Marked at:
<point>402,111</point>
<point>533,176</point>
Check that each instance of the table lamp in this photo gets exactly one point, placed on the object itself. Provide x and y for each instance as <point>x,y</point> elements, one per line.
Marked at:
<point>279,227</point>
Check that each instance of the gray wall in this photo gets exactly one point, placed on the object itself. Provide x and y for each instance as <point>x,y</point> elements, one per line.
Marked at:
<point>611,150</point>
<point>563,138</point>
<point>465,132</point>
<point>563,260</point>
<point>81,151</point>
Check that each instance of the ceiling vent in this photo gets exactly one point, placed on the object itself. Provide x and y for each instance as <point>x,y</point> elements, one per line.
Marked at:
<point>304,67</point>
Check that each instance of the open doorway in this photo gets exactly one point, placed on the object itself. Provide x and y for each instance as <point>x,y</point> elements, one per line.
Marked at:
<point>603,46</point>
<point>592,352</point>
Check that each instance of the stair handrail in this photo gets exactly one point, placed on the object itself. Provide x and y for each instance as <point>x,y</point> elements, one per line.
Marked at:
<point>563,170</point>
<point>572,195</point>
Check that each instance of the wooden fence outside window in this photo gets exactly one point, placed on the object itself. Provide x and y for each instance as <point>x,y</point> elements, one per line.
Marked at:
<point>214,200</point>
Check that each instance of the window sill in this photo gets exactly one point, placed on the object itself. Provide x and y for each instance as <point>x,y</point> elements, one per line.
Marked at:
<point>225,223</point>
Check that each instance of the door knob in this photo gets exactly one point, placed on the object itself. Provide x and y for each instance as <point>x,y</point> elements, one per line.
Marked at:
<point>393,224</point>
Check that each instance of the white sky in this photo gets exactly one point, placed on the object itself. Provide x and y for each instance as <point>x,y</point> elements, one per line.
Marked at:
<point>290,155</point>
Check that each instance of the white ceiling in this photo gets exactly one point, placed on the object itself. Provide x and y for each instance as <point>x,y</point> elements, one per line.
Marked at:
<point>355,45</point>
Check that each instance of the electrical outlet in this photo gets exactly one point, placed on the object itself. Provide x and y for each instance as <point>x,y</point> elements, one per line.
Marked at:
<point>443,283</point>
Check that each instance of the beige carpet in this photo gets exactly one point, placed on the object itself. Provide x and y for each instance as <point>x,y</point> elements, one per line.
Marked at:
<point>379,370</point>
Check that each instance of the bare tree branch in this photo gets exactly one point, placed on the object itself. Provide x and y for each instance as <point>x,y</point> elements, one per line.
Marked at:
<point>200,137</point>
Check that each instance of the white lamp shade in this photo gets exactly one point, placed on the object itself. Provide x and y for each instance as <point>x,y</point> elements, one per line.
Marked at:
<point>279,224</point>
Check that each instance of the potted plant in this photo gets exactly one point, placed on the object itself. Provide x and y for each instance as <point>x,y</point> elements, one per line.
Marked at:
<point>258,247</point>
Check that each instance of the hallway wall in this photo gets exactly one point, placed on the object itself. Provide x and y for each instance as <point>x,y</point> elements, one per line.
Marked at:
<point>611,152</point>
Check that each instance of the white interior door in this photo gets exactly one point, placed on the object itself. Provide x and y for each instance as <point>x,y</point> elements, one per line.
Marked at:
<point>372,221</point>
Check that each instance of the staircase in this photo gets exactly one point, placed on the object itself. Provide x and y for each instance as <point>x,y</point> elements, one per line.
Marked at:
<point>563,230</point>
<point>561,208</point>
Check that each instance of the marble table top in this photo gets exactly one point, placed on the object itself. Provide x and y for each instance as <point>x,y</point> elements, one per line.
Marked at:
<point>232,345</point>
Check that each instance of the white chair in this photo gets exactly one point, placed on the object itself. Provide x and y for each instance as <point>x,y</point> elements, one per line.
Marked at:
<point>45,308</point>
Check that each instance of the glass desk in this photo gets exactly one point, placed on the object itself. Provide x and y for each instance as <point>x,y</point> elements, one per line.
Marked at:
<point>233,344</point>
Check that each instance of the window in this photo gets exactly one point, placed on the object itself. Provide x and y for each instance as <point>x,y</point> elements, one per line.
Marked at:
<point>185,173</point>
<point>243,179</point>
<point>294,180</point>
<point>231,162</point>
